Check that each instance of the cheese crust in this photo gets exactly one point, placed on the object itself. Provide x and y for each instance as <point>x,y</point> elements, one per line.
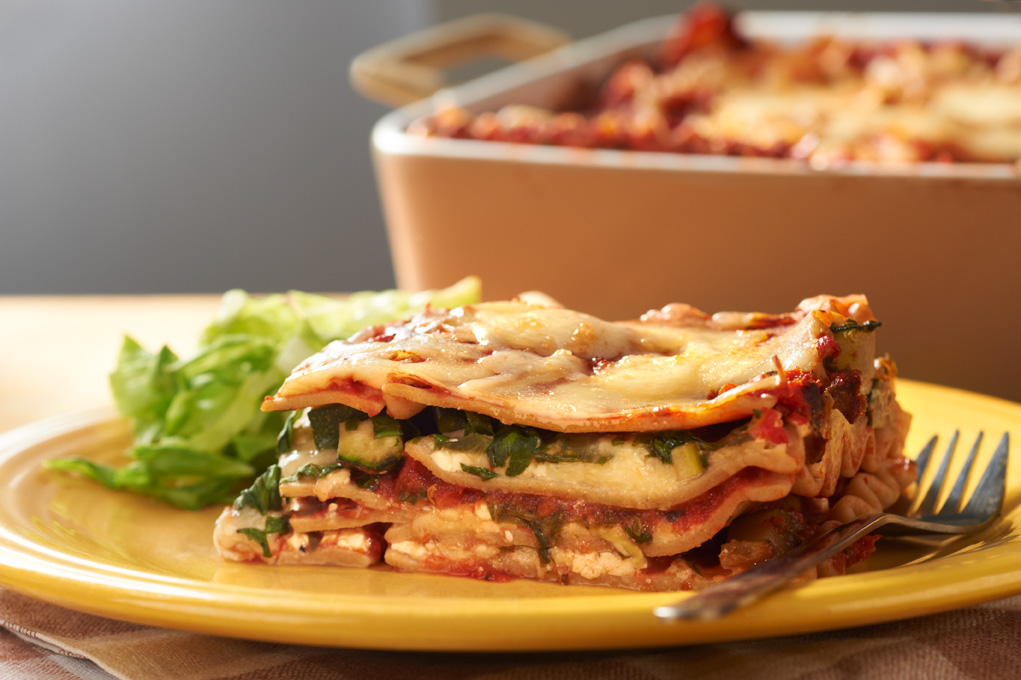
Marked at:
<point>827,101</point>
<point>558,369</point>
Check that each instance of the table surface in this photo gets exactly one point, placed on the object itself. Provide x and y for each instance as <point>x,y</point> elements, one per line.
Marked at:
<point>56,353</point>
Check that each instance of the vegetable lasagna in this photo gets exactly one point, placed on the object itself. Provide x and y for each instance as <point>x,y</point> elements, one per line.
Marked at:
<point>521,439</point>
<point>711,89</point>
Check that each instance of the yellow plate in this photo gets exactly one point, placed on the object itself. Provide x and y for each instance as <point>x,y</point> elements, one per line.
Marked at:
<point>76,544</point>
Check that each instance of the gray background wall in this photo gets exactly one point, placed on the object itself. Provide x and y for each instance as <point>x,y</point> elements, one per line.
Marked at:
<point>199,145</point>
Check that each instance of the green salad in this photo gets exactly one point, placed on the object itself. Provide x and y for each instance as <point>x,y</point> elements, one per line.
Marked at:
<point>199,436</point>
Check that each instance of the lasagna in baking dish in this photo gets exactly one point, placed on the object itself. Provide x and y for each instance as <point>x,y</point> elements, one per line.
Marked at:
<point>520,439</point>
<point>712,90</point>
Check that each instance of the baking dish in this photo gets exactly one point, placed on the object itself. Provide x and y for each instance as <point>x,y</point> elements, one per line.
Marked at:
<point>617,232</point>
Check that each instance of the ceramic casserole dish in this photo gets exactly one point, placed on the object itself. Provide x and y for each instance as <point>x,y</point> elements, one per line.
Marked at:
<point>935,246</point>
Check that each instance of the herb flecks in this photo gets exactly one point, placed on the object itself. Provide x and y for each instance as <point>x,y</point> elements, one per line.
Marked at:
<point>852,325</point>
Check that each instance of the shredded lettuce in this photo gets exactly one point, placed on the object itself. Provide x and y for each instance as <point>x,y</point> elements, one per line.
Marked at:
<point>199,435</point>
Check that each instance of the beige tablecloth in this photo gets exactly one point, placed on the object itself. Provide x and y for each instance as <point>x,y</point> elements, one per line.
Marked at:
<point>40,640</point>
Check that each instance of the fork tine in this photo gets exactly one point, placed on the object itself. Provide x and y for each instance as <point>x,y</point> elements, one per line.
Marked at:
<point>988,496</point>
<point>924,456</point>
<point>922,461</point>
<point>953,502</point>
<point>928,504</point>
<point>765,578</point>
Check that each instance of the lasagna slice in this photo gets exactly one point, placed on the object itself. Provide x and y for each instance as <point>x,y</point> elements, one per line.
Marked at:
<point>523,440</point>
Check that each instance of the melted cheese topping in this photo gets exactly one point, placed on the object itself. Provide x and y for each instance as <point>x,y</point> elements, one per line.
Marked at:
<point>982,119</point>
<point>558,369</point>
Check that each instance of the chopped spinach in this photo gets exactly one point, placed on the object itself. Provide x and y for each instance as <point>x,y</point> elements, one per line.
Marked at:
<point>852,325</point>
<point>571,449</point>
<point>470,443</point>
<point>545,529</point>
<point>514,447</point>
<point>661,444</point>
<point>274,525</point>
<point>285,440</point>
<point>311,470</point>
<point>479,424</point>
<point>568,456</point>
<point>485,474</point>
<point>452,420</point>
<point>636,530</point>
<point>449,420</point>
<point>412,497</point>
<point>364,480</point>
<point>263,494</point>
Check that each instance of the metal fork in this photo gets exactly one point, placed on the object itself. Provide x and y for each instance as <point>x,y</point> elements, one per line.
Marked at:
<point>924,516</point>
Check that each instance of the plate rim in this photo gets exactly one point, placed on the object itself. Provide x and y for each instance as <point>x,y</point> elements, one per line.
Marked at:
<point>228,609</point>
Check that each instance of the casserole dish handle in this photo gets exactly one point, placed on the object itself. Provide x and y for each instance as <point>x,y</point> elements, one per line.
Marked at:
<point>411,68</point>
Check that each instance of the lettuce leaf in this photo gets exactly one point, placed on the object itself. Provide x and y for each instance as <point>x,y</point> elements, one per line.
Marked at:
<point>199,435</point>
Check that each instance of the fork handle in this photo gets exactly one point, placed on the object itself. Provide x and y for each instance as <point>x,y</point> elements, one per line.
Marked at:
<point>744,589</point>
